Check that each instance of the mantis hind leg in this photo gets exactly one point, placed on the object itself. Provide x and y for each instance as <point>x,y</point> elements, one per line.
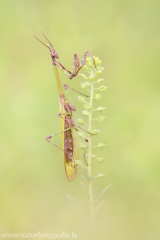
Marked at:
<point>50,136</point>
<point>72,106</point>
<point>80,128</point>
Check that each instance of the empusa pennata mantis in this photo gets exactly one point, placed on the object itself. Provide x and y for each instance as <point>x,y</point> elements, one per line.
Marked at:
<point>67,124</point>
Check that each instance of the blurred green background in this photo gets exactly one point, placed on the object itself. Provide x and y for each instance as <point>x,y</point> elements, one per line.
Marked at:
<point>125,35</point>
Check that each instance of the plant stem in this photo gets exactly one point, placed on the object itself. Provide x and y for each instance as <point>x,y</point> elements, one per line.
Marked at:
<point>90,156</point>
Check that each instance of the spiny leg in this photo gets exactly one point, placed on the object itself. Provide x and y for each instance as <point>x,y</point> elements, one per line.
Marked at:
<point>65,70</point>
<point>59,115</point>
<point>66,86</point>
<point>64,150</point>
<point>50,136</point>
<point>72,106</point>
<point>83,62</point>
<point>80,128</point>
<point>70,120</point>
<point>71,123</point>
<point>76,65</point>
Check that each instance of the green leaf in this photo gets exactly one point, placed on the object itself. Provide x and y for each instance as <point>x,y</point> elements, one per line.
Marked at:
<point>75,200</point>
<point>79,162</point>
<point>99,206</point>
<point>99,175</point>
<point>85,175</point>
<point>84,187</point>
<point>102,193</point>
<point>82,214</point>
<point>102,222</point>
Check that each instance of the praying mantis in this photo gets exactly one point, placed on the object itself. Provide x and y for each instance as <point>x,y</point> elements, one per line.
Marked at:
<point>68,127</point>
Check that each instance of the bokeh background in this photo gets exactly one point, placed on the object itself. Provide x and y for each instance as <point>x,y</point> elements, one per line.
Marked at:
<point>125,35</point>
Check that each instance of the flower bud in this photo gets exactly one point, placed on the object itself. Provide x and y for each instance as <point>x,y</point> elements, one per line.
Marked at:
<point>100,80</point>
<point>88,107</point>
<point>85,68</point>
<point>90,78</point>
<point>101,109</point>
<point>80,121</point>
<point>99,160</point>
<point>97,61</point>
<point>85,112</point>
<point>101,119</point>
<point>87,84</point>
<point>81,134</point>
<point>82,146</point>
<point>83,85</point>
<point>97,96</point>
<point>81,99</point>
<point>101,146</point>
<point>100,68</point>
<point>87,60</point>
<point>95,131</point>
<point>83,76</point>
<point>90,64</point>
<point>102,88</point>
<point>98,73</point>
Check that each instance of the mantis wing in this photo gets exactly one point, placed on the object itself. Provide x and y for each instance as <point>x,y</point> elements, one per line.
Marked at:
<point>70,167</point>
